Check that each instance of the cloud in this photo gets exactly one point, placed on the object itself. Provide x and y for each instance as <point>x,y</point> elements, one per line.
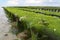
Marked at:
<point>12,2</point>
<point>34,1</point>
<point>31,3</point>
<point>51,1</point>
<point>39,1</point>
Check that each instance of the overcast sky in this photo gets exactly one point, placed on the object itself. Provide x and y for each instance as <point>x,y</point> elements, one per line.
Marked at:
<point>29,3</point>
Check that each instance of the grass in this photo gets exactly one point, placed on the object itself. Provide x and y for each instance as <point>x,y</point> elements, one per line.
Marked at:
<point>42,11</point>
<point>48,24</point>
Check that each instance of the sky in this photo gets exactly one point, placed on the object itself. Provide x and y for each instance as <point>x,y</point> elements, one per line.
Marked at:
<point>29,3</point>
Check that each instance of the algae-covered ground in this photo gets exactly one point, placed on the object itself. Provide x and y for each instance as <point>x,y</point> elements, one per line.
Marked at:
<point>37,24</point>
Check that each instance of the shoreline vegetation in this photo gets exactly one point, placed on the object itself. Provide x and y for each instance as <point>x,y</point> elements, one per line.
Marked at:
<point>29,25</point>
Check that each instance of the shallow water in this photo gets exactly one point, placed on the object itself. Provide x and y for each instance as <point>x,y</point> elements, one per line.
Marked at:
<point>4,24</point>
<point>5,27</point>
